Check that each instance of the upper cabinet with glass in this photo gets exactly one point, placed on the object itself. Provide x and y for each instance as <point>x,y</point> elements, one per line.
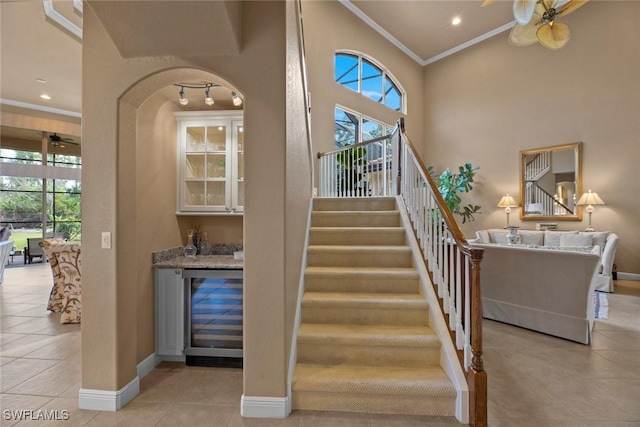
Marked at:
<point>210,162</point>
<point>551,183</point>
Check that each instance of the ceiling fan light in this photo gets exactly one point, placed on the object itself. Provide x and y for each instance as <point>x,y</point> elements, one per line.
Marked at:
<point>554,36</point>
<point>523,35</point>
<point>523,10</point>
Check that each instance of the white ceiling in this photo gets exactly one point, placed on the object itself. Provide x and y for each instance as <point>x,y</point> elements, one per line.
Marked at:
<point>35,46</point>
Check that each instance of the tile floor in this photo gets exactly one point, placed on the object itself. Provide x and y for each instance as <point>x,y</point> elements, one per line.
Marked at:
<point>534,379</point>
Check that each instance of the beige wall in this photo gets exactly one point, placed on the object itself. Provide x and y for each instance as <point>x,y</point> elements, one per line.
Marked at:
<point>329,26</point>
<point>123,129</point>
<point>485,104</point>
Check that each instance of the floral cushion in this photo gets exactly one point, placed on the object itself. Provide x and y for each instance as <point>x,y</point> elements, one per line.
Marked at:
<point>65,296</point>
<point>55,298</point>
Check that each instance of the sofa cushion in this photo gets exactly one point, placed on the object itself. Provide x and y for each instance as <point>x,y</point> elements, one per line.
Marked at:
<point>569,239</point>
<point>552,238</point>
<point>498,236</point>
<point>531,237</point>
<point>599,237</point>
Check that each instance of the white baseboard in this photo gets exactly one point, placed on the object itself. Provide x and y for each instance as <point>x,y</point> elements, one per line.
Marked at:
<point>629,276</point>
<point>147,365</point>
<point>107,400</point>
<point>265,407</point>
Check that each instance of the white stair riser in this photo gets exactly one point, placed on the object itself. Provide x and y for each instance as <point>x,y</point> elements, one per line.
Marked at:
<point>354,204</point>
<point>368,355</point>
<point>365,316</point>
<point>375,404</point>
<point>355,219</point>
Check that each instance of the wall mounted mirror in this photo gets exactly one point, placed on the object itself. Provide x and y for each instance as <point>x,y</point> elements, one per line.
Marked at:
<point>551,183</point>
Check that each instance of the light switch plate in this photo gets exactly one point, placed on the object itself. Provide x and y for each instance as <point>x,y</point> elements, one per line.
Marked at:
<point>106,240</point>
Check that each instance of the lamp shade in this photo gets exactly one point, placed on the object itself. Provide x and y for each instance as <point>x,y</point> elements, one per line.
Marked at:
<point>590,199</point>
<point>508,202</point>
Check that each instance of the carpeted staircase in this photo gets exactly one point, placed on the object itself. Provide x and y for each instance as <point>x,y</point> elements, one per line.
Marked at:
<point>364,343</point>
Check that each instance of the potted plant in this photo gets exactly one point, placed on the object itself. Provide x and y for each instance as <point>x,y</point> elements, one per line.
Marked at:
<point>451,184</point>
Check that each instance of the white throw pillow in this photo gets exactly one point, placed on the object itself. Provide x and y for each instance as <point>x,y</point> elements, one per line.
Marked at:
<point>528,237</point>
<point>552,238</point>
<point>569,239</point>
<point>599,238</point>
<point>498,236</point>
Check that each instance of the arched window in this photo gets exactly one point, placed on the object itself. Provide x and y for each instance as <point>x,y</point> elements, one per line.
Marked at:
<point>363,75</point>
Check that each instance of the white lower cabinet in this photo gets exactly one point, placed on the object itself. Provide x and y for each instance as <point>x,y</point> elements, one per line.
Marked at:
<point>169,314</point>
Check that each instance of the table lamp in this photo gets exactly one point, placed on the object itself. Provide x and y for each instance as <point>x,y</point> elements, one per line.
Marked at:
<point>507,202</point>
<point>590,199</point>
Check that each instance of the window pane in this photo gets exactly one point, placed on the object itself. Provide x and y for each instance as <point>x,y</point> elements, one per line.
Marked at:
<point>371,81</point>
<point>393,99</point>
<point>347,128</point>
<point>371,129</point>
<point>346,70</point>
<point>18,156</point>
<point>61,160</point>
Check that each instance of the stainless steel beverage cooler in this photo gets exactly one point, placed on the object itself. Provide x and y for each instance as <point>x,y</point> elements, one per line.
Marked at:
<point>213,317</point>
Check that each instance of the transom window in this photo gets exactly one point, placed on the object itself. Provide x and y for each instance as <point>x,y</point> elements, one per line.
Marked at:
<point>363,75</point>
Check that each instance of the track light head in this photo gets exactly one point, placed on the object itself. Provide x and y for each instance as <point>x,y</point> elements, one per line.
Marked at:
<point>183,97</point>
<point>237,101</point>
<point>207,97</point>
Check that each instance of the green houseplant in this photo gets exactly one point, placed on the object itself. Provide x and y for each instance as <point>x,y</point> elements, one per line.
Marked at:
<point>451,185</point>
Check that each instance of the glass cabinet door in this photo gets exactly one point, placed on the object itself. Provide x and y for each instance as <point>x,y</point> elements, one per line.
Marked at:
<point>211,162</point>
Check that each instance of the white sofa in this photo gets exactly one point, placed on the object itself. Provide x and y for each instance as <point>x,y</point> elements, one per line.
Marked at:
<point>544,290</point>
<point>574,241</point>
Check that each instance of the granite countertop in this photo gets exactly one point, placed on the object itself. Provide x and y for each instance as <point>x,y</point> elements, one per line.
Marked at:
<point>215,257</point>
<point>211,262</point>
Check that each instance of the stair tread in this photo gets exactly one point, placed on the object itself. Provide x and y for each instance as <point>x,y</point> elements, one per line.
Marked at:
<point>357,229</point>
<point>343,248</point>
<point>428,380</point>
<point>363,296</point>
<point>369,334</point>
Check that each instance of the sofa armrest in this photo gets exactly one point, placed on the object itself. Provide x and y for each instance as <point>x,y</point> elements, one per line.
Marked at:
<point>608,254</point>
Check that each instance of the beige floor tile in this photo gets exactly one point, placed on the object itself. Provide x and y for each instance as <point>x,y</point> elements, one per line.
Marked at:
<point>292,420</point>
<point>624,394</point>
<point>15,404</point>
<point>63,346</point>
<point>7,322</point>
<point>21,370</point>
<point>628,360</point>
<point>7,338</point>
<point>72,392</point>
<point>34,325</point>
<point>181,415</point>
<point>65,412</point>
<point>25,345</point>
<point>52,381</point>
<point>136,414</point>
<point>5,360</point>
<point>17,309</point>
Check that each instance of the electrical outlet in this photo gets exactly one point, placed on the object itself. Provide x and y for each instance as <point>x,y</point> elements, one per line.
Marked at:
<point>106,240</point>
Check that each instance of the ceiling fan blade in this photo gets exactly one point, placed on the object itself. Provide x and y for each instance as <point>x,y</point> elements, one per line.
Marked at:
<point>554,36</point>
<point>570,7</point>
<point>487,2</point>
<point>523,10</point>
<point>523,35</point>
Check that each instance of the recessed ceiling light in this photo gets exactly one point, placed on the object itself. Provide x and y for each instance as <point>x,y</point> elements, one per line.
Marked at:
<point>45,96</point>
<point>456,21</point>
<point>39,80</point>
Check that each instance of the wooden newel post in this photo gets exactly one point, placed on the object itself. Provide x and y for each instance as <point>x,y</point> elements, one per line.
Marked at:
<point>477,377</point>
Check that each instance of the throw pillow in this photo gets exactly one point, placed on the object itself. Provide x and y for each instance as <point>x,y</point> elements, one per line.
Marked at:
<point>569,239</point>
<point>599,237</point>
<point>531,237</point>
<point>498,236</point>
<point>552,238</point>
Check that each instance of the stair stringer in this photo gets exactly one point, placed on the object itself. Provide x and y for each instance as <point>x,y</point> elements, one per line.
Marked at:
<point>448,356</point>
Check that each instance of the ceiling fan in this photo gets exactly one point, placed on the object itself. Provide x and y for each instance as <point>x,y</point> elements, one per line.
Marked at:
<point>58,141</point>
<point>535,22</point>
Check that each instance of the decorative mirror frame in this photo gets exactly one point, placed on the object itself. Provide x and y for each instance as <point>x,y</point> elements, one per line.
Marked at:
<point>550,209</point>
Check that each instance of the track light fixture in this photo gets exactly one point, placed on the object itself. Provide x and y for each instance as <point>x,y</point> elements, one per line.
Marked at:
<point>208,99</point>
<point>183,97</point>
<point>237,101</point>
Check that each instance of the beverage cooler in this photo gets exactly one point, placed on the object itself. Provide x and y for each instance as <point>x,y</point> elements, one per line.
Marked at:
<point>213,324</point>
